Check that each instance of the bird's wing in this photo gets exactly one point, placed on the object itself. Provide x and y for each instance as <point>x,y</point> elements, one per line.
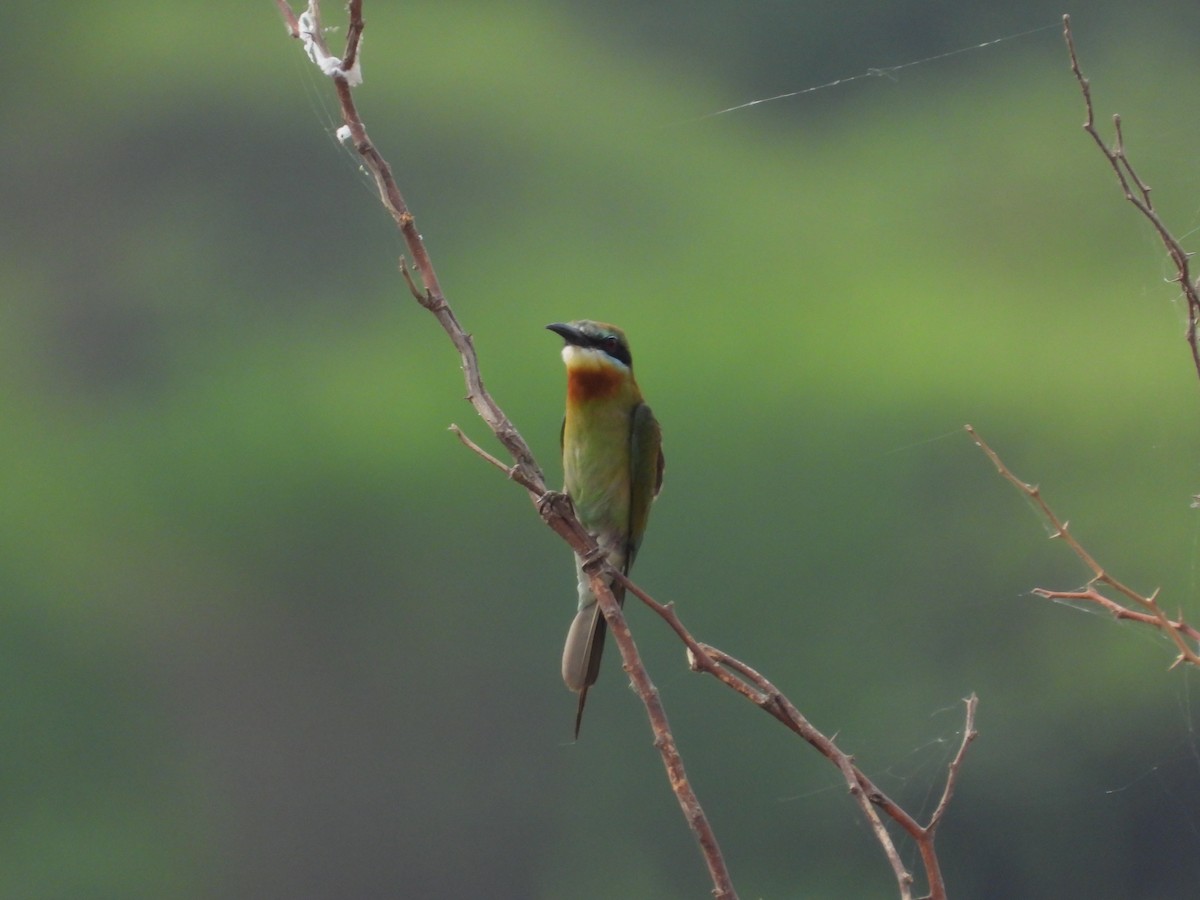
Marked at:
<point>645,475</point>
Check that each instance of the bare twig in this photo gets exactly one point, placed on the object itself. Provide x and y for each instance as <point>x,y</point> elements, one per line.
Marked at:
<point>290,22</point>
<point>969,735</point>
<point>1178,631</point>
<point>555,510</point>
<point>1137,192</point>
<point>513,472</point>
<point>755,687</point>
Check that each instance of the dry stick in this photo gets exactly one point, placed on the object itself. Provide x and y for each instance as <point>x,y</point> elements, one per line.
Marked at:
<point>1137,192</point>
<point>1153,615</point>
<point>290,22</point>
<point>554,508</point>
<point>1091,595</point>
<point>755,687</point>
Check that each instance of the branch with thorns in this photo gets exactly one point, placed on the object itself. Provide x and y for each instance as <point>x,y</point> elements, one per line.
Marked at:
<point>556,510</point>
<point>740,677</point>
<point>1137,192</point>
<point>1150,613</point>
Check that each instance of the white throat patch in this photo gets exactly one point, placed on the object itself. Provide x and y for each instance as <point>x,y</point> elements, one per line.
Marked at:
<point>589,358</point>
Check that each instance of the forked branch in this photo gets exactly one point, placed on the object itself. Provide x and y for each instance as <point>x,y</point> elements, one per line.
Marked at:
<point>755,687</point>
<point>1135,607</point>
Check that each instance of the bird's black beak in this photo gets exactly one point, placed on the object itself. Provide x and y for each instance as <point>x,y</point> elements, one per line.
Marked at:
<point>569,333</point>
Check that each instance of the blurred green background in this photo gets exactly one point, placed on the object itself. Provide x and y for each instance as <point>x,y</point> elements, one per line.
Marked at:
<point>268,631</point>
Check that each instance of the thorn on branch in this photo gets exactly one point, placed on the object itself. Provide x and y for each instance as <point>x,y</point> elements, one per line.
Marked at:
<point>420,296</point>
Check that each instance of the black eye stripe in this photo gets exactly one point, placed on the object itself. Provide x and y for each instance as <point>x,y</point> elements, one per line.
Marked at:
<point>614,347</point>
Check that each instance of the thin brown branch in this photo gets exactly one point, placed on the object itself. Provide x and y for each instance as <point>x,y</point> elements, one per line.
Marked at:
<point>554,508</point>
<point>290,22</point>
<point>1137,192</point>
<point>599,572</point>
<point>1152,614</point>
<point>755,687</point>
<point>353,35</point>
<point>406,273</point>
<point>1091,595</point>
<point>969,735</point>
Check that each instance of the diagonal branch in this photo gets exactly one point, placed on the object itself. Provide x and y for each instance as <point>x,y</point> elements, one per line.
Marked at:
<point>554,508</point>
<point>755,687</point>
<point>1137,192</point>
<point>1151,613</point>
<point>290,22</point>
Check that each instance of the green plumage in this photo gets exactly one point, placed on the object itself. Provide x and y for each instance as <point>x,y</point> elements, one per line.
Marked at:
<point>612,470</point>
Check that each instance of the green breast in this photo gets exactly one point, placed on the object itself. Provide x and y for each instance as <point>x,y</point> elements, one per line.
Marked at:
<point>596,466</point>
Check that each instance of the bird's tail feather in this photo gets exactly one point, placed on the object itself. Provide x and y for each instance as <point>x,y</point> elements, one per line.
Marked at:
<point>583,650</point>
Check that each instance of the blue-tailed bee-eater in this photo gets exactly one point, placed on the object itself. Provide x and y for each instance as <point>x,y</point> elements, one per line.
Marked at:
<point>612,471</point>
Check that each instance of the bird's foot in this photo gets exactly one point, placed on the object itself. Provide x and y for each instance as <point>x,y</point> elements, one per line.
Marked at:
<point>551,499</point>
<point>593,559</point>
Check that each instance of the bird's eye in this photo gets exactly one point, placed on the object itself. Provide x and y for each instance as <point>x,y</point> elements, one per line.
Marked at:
<point>610,343</point>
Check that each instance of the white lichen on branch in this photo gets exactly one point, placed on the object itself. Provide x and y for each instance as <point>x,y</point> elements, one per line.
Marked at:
<point>311,36</point>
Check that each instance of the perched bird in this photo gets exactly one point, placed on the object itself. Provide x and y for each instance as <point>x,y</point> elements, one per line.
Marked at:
<point>612,470</point>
